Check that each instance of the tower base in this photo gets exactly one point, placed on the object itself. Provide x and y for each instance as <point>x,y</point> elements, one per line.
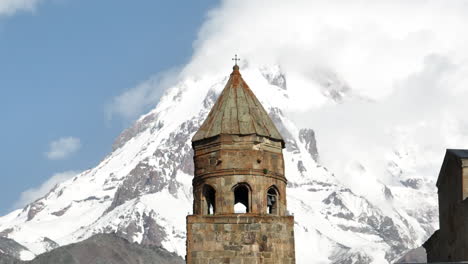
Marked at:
<point>240,239</point>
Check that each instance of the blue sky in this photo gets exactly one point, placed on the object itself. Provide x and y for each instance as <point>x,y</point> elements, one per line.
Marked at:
<point>62,64</point>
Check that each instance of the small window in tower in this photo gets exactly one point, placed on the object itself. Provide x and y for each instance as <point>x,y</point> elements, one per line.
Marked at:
<point>241,199</point>
<point>209,206</point>
<point>272,201</point>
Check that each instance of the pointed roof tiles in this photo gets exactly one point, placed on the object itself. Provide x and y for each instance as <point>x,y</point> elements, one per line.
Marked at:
<point>237,112</point>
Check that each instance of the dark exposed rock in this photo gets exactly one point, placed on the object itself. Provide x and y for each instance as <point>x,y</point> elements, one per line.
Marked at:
<point>388,231</point>
<point>333,198</point>
<point>129,231</point>
<point>49,244</point>
<point>347,216</point>
<point>301,167</point>
<point>357,229</point>
<point>277,79</point>
<point>107,249</point>
<point>375,224</point>
<point>412,183</point>
<point>142,179</point>
<point>34,209</point>
<point>173,155</point>
<point>91,198</point>
<point>5,259</point>
<point>416,255</point>
<point>154,234</point>
<point>352,258</point>
<point>181,154</point>
<point>62,211</point>
<point>388,193</point>
<point>345,213</point>
<point>210,98</point>
<point>332,85</point>
<point>324,184</point>
<point>384,227</point>
<point>10,249</point>
<point>5,232</point>
<point>307,136</point>
<point>344,254</point>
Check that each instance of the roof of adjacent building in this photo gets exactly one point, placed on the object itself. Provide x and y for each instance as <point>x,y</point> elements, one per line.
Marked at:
<point>461,153</point>
<point>237,112</point>
<point>458,154</point>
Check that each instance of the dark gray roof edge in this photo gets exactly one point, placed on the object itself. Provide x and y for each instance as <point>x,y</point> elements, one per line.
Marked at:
<point>457,153</point>
<point>461,153</point>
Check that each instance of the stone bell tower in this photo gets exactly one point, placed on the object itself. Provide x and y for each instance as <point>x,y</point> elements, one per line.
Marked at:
<point>239,188</point>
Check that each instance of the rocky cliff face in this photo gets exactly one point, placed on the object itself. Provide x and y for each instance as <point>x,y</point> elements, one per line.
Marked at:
<point>416,255</point>
<point>102,249</point>
<point>6,259</point>
<point>107,249</point>
<point>10,251</point>
<point>142,189</point>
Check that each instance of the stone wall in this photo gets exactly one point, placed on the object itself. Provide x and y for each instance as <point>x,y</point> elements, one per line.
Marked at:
<point>240,239</point>
<point>228,160</point>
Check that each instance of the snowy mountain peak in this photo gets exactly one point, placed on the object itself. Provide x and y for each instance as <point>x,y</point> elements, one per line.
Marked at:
<point>142,189</point>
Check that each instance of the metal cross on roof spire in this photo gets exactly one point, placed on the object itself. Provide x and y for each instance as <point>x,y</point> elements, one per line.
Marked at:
<point>235,59</point>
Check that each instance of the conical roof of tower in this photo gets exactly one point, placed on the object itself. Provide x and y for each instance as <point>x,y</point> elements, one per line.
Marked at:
<point>237,112</point>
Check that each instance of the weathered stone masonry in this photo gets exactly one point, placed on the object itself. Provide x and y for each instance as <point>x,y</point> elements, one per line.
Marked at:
<point>238,161</point>
<point>242,239</point>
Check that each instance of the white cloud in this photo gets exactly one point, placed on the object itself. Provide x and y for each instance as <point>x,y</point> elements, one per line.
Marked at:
<point>9,7</point>
<point>135,101</point>
<point>33,194</point>
<point>406,63</point>
<point>408,59</point>
<point>63,147</point>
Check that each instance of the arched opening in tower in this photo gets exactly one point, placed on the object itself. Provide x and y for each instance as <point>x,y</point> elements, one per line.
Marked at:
<point>272,201</point>
<point>241,199</point>
<point>209,194</point>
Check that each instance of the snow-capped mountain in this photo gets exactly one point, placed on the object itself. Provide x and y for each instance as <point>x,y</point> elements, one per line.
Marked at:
<point>142,189</point>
